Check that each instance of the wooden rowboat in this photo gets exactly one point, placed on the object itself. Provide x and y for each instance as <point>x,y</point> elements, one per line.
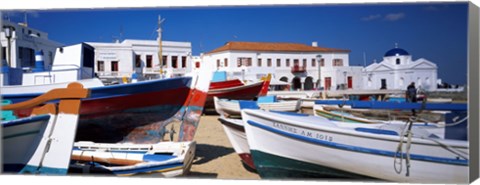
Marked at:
<point>238,92</point>
<point>138,112</point>
<point>166,159</point>
<point>231,108</point>
<point>42,143</point>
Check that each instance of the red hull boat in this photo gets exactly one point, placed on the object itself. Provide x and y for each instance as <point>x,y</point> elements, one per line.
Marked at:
<point>226,84</point>
<point>137,112</point>
<point>235,89</point>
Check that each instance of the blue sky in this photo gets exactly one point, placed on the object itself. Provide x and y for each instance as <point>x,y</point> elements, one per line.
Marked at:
<point>434,31</point>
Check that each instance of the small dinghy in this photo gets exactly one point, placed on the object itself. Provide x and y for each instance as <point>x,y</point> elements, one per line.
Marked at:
<point>167,159</point>
<point>231,108</point>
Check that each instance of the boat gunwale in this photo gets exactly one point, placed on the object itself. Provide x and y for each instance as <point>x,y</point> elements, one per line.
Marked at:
<point>338,130</point>
<point>229,89</point>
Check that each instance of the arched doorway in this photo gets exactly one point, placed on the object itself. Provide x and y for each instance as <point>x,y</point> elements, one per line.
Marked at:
<point>284,79</point>
<point>285,87</point>
<point>308,85</point>
<point>296,83</point>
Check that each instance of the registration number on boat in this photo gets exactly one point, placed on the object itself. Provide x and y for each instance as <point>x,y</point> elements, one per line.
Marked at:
<point>303,132</point>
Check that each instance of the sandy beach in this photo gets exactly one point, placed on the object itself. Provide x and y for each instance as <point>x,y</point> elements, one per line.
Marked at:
<point>215,156</point>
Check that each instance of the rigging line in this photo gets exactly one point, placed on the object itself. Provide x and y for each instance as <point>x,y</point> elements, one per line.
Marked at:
<point>449,148</point>
<point>154,30</point>
<point>454,123</point>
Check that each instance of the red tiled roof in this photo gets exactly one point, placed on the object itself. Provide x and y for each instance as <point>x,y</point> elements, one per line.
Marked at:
<point>274,47</point>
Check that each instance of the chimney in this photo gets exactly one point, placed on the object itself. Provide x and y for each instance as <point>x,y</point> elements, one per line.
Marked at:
<point>314,44</point>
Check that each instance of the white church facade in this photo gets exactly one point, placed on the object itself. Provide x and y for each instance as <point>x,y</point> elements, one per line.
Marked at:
<point>302,66</point>
<point>397,70</point>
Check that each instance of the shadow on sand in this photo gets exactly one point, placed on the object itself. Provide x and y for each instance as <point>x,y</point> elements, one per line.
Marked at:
<point>209,111</point>
<point>200,175</point>
<point>205,153</point>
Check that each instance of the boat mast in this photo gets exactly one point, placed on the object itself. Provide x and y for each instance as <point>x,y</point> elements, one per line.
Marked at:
<point>160,56</point>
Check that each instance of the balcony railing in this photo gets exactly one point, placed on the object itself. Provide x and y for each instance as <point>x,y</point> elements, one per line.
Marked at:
<point>298,69</point>
<point>113,74</point>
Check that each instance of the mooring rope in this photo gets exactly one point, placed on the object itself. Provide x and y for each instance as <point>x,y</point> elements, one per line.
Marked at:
<point>408,134</point>
<point>454,123</point>
<point>460,153</point>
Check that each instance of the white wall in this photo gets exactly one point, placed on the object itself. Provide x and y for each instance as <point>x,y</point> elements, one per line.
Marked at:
<point>68,67</point>
<point>125,53</point>
<point>21,38</point>
<point>253,72</point>
<point>48,77</point>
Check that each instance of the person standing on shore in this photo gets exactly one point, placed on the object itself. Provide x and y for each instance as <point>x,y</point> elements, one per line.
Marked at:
<point>411,93</point>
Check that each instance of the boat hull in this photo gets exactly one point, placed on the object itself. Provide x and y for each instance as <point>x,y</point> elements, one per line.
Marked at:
<point>272,166</point>
<point>166,159</point>
<point>244,92</point>
<point>38,145</point>
<point>307,139</point>
<point>231,108</point>
<point>21,139</point>
<point>225,84</point>
<point>137,112</point>
<point>237,137</point>
<point>137,118</point>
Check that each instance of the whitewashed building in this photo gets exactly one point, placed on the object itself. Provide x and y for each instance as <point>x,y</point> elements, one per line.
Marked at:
<point>298,64</point>
<point>122,59</point>
<point>398,70</point>
<point>20,42</point>
<point>71,63</point>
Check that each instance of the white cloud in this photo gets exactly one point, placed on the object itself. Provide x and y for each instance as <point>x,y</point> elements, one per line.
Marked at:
<point>387,17</point>
<point>432,8</point>
<point>371,17</point>
<point>394,16</point>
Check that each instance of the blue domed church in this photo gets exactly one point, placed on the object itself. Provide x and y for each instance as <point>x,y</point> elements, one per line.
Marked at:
<point>398,70</point>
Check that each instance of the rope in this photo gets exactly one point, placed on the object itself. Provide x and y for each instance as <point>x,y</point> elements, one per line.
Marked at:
<point>454,123</point>
<point>395,159</point>
<point>399,151</point>
<point>409,144</point>
<point>408,134</point>
<point>450,149</point>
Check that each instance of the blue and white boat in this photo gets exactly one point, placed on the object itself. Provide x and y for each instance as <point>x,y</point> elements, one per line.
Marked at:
<point>166,159</point>
<point>42,143</point>
<point>288,145</point>
<point>235,132</point>
<point>231,108</point>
